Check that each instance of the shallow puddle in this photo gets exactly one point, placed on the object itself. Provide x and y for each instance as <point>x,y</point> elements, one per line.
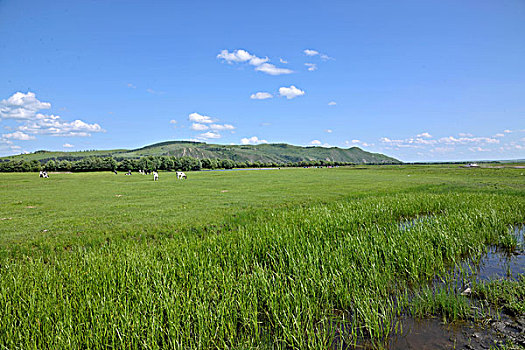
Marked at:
<point>428,334</point>
<point>431,333</point>
<point>497,264</point>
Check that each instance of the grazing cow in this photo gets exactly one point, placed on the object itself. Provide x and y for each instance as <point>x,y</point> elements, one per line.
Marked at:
<point>41,174</point>
<point>181,175</point>
<point>155,176</point>
<point>129,172</point>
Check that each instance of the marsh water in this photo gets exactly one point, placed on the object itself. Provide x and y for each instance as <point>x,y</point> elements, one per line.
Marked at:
<point>432,333</point>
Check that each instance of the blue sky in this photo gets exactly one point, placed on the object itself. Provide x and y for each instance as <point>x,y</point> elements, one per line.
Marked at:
<point>417,80</point>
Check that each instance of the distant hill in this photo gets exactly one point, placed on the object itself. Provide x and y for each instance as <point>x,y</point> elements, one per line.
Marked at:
<point>276,152</point>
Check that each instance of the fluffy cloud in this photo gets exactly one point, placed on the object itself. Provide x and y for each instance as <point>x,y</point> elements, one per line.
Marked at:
<point>424,134</point>
<point>18,135</point>
<point>329,131</point>
<point>261,96</point>
<point>209,135</point>
<point>332,103</point>
<point>283,61</point>
<point>311,66</point>
<point>68,145</point>
<point>203,122</point>
<point>269,68</point>
<point>196,117</point>
<point>21,106</point>
<point>261,64</point>
<point>199,127</point>
<point>173,121</point>
<point>54,126</point>
<point>222,127</point>
<point>241,56</point>
<point>309,52</point>
<point>252,141</point>
<point>315,142</point>
<point>466,140</point>
<point>478,149</point>
<point>290,92</point>
<point>23,109</point>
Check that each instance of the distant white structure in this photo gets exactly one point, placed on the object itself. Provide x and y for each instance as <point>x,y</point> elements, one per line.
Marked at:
<point>471,165</point>
<point>181,175</point>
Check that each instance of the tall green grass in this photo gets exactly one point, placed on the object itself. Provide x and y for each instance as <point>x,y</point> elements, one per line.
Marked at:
<point>293,277</point>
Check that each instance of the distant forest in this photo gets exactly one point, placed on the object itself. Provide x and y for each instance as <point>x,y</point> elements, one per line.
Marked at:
<point>146,163</point>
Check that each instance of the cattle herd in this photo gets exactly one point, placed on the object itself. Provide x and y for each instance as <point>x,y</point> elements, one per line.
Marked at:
<point>180,175</point>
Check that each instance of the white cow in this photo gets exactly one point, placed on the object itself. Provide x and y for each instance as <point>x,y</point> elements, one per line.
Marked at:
<point>155,176</point>
<point>181,175</point>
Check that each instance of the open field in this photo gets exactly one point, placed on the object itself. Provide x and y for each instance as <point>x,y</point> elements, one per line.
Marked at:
<point>290,258</point>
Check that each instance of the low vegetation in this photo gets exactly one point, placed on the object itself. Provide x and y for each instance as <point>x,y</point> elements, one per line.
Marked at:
<point>290,258</point>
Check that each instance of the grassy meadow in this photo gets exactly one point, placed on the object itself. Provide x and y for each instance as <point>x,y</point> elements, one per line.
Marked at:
<point>289,258</point>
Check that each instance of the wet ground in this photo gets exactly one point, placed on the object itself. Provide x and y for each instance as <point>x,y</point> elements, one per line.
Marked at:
<point>493,334</point>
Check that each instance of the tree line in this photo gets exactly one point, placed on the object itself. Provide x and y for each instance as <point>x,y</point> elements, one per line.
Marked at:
<point>148,163</point>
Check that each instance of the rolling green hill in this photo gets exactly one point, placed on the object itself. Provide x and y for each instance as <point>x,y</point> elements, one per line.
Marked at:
<point>278,153</point>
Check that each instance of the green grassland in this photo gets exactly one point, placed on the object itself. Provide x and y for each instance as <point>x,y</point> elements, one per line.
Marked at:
<point>266,153</point>
<point>281,258</point>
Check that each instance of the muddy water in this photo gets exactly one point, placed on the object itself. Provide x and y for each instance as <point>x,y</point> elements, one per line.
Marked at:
<point>433,334</point>
<point>499,264</point>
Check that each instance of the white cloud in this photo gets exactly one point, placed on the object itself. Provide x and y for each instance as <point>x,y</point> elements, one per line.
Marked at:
<point>54,126</point>
<point>241,56</point>
<point>425,134</point>
<point>203,122</point>
<point>269,68</point>
<point>499,135</point>
<point>332,103</point>
<point>24,107</point>
<point>465,134</point>
<point>507,131</point>
<point>478,149</point>
<point>199,127</point>
<point>222,127</point>
<point>315,142</point>
<point>18,135</point>
<point>21,106</point>
<point>329,131</point>
<point>196,117</point>
<point>290,92</point>
<point>209,135</point>
<point>261,96</point>
<point>173,121</point>
<point>309,52</point>
<point>261,64</point>
<point>311,66</point>
<point>252,141</point>
<point>283,61</point>
<point>465,140</point>
<point>68,145</point>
